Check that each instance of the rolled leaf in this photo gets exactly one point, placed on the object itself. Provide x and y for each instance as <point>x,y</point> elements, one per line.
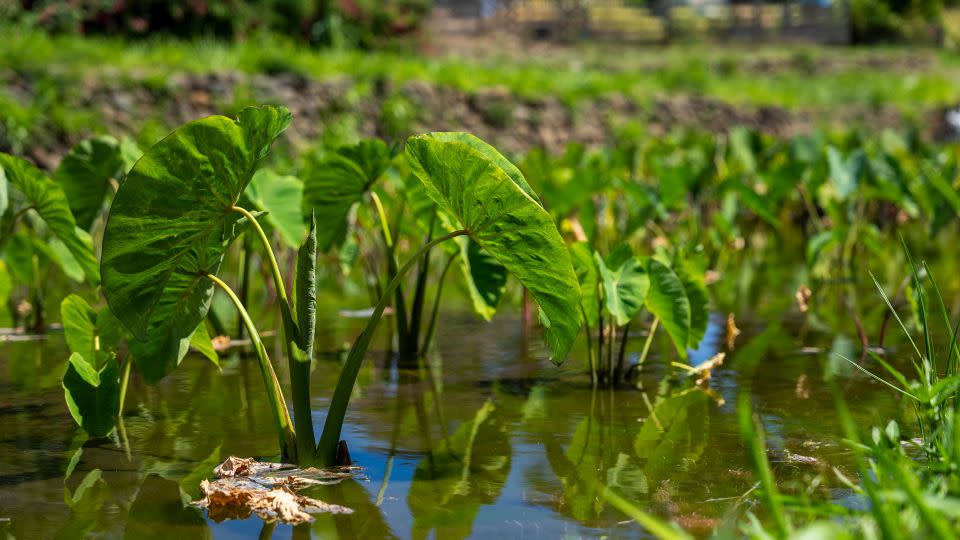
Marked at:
<point>50,202</point>
<point>480,192</point>
<point>306,297</point>
<point>170,224</point>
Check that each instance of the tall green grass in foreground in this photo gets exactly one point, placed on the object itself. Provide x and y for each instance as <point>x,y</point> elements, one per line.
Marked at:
<point>909,486</point>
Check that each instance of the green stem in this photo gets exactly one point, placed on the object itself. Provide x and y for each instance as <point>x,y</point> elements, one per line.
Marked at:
<point>326,452</point>
<point>287,437</point>
<point>384,224</point>
<point>124,380</point>
<point>298,364</point>
<point>428,337</point>
<point>646,344</point>
<point>622,356</point>
<point>590,358</point>
<point>419,297</point>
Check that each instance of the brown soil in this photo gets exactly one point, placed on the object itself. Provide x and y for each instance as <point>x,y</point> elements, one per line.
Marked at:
<point>510,122</point>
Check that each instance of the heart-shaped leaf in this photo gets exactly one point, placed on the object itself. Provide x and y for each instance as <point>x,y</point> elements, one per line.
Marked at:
<point>170,224</point>
<point>92,394</point>
<point>479,191</point>
<point>338,182</point>
<point>667,299</point>
<point>85,173</point>
<point>624,287</point>
<point>49,201</point>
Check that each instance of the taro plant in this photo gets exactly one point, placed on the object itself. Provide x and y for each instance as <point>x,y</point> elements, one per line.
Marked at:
<point>618,287</point>
<point>162,255</point>
<point>31,201</point>
<point>368,211</point>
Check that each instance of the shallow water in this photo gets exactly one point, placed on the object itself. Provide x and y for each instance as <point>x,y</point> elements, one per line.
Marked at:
<point>489,439</point>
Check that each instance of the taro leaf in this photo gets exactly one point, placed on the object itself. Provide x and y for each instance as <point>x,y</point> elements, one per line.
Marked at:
<point>667,299</point>
<point>130,154</point>
<point>624,288</point>
<point>64,259</point>
<point>306,293</point>
<point>280,196</point>
<point>479,191</point>
<point>85,173</point>
<point>200,340</point>
<point>93,396</point>
<point>338,182</point>
<point>170,224</point>
<point>49,201</point>
<point>696,292</point>
<point>586,268</point>
<point>87,330</point>
<point>465,471</point>
<point>845,172</point>
<point>486,279</point>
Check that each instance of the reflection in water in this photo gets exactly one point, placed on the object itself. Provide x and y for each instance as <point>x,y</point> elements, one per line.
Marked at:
<point>483,443</point>
<point>465,471</point>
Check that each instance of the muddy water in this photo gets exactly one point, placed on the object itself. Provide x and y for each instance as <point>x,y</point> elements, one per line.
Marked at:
<point>488,439</point>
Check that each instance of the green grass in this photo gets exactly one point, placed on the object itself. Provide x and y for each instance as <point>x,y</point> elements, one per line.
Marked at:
<point>584,72</point>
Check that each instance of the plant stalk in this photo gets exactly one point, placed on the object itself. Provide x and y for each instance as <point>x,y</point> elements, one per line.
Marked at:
<point>297,362</point>
<point>326,452</point>
<point>646,344</point>
<point>285,432</point>
<point>124,380</point>
<point>431,328</point>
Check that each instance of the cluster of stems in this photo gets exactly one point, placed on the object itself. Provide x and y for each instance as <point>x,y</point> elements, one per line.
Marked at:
<point>296,436</point>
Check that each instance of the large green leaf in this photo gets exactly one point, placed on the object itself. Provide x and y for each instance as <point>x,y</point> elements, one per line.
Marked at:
<point>338,182</point>
<point>171,222</point>
<point>484,277</point>
<point>667,299</point>
<point>280,196</point>
<point>49,201</point>
<point>624,288</point>
<point>586,268</point>
<point>85,173</point>
<point>480,192</point>
<point>93,396</point>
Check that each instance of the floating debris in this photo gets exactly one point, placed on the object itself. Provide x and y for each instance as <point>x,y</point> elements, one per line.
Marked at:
<point>732,331</point>
<point>790,457</point>
<point>245,486</point>
<point>803,298</point>
<point>802,389</point>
